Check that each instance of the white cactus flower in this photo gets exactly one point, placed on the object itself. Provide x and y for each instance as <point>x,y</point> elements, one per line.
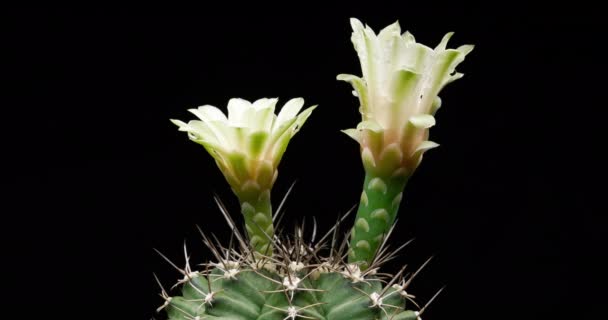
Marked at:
<point>248,144</point>
<point>398,92</point>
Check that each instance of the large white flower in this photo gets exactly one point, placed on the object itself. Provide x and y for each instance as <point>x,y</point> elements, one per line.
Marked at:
<point>398,93</point>
<point>248,144</point>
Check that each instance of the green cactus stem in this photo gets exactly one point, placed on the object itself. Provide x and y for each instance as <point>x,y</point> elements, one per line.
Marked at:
<point>267,295</point>
<point>377,211</point>
<point>257,211</point>
<point>295,283</point>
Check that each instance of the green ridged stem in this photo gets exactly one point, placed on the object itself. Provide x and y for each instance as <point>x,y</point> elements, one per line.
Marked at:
<point>378,208</point>
<point>259,295</point>
<point>257,212</point>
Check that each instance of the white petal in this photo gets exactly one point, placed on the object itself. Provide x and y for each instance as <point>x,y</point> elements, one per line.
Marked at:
<point>302,117</point>
<point>408,37</point>
<point>466,49</point>
<point>424,57</point>
<point>371,58</point>
<point>360,89</point>
<point>202,131</point>
<point>436,105</point>
<point>444,66</point>
<point>288,111</point>
<point>389,32</point>
<point>262,115</point>
<point>263,119</point>
<point>452,78</point>
<point>365,42</point>
<point>444,41</point>
<point>411,55</point>
<point>182,125</point>
<point>403,88</point>
<point>222,132</point>
<point>280,141</point>
<point>426,145</point>
<point>353,133</point>
<point>422,121</point>
<point>215,120</point>
<point>264,103</point>
<point>237,110</point>
<point>370,125</point>
<point>209,113</point>
<point>356,24</point>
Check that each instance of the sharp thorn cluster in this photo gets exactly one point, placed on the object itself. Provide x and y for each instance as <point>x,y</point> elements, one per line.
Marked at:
<point>296,267</point>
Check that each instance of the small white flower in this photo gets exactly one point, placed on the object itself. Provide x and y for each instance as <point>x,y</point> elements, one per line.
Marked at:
<point>249,143</point>
<point>398,93</point>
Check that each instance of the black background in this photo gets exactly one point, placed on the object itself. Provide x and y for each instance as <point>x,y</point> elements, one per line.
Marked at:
<point>95,175</point>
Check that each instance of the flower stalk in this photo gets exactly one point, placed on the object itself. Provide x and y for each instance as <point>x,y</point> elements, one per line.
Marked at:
<point>398,96</point>
<point>248,146</point>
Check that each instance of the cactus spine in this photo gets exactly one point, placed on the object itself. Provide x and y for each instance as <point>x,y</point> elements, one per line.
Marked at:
<point>294,283</point>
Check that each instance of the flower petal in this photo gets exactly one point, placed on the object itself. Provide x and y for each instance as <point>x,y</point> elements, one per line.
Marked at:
<point>370,125</point>
<point>225,134</point>
<point>257,142</point>
<point>197,130</point>
<point>466,49</point>
<point>209,113</point>
<point>444,66</point>
<point>288,112</point>
<point>356,25</point>
<point>202,130</point>
<point>182,125</point>
<point>422,121</point>
<point>408,37</point>
<point>280,142</point>
<point>426,145</point>
<point>264,119</point>
<point>237,111</point>
<point>239,165</point>
<point>404,86</point>
<point>444,41</point>
<point>364,40</point>
<point>265,103</point>
<point>263,115</point>
<point>436,105</point>
<point>388,48</point>
<point>353,133</point>
<point>389,32</point>
<point>359,86</point>
<point>302,117</point>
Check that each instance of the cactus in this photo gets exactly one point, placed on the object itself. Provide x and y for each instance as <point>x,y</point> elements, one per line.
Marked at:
<point>265,275</point>
<point>294,283</point>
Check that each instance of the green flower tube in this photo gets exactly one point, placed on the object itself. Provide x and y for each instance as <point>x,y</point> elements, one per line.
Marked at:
<point>398,96</point>
<point>247,147</point>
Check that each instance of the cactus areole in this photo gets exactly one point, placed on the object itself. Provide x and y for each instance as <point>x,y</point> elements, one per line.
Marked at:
<point>261,275</point>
